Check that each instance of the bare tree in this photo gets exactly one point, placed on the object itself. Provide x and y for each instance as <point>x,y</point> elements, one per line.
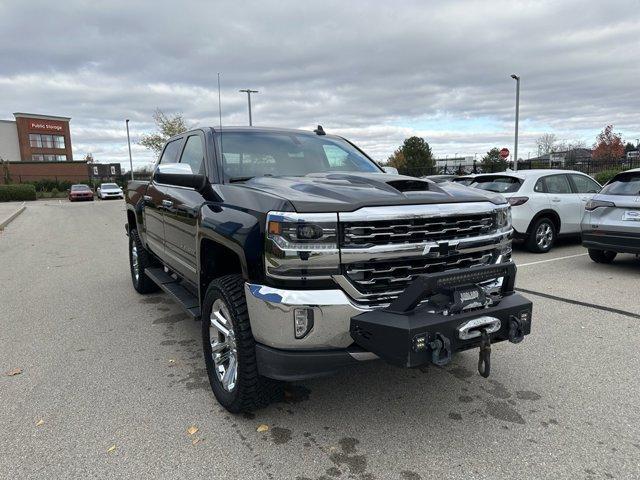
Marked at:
<point>547,143</point>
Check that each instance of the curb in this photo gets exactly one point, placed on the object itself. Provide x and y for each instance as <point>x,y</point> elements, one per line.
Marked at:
<point>11,217</point>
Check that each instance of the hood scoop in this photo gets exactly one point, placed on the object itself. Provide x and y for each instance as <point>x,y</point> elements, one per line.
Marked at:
<point>406,186</point>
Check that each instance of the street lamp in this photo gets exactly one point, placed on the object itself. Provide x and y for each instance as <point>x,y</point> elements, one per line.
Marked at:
<point>249,92</point>
<point>129,144</point>
<point>515,146</point>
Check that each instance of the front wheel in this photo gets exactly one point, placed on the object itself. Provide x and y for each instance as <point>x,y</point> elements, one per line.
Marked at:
<point>229,349</point>
<point>542,236</point>
<point>602,256</point>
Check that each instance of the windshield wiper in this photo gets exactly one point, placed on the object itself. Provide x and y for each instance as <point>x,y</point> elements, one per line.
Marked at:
<point>239,179</point>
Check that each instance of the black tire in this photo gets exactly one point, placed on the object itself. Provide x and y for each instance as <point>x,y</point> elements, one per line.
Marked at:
<point>542,235</point>
<point>141,282</point>
<point>250,390</point>
<point>602,256</point>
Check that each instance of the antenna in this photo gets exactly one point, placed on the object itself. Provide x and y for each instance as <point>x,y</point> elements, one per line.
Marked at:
<point>220,120</point>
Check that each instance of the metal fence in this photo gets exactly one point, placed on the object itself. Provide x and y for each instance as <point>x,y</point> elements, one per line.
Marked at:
<point>590,167</point>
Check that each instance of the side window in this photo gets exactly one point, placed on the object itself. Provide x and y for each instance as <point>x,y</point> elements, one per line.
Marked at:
<point>584,184</point>
<point>557,184</point>
<point>170,154</point>
<point>539,187</point>
<point>193,154</point>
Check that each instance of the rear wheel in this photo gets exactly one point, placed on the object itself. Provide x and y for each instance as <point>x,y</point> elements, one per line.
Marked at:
<point>139,259</point>
<point>229,349</point>
<point>602,256</point>
<point>542,235</point>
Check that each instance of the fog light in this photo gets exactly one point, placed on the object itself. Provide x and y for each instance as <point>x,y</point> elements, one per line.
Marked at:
<point>302,321</point>
<point>420,342</point>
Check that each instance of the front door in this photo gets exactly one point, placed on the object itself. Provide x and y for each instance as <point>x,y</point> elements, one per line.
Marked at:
<point>182,211</point>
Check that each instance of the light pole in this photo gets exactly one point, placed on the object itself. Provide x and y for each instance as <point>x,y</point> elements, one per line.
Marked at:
<point>129,144</point>
<point>249,92</point>
<point>515,145</point>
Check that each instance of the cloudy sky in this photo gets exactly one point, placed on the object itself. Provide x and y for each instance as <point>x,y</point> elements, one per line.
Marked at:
<point>376,72</point>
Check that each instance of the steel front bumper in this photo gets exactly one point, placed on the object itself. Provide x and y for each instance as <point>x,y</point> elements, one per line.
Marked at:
<point>408,334</point>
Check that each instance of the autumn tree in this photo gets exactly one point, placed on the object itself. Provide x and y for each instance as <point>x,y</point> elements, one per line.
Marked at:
<point>167,126</point>
<point>608,146</point>
<point>414,157</point>
<point>396,160</point>
<point>493,162</point>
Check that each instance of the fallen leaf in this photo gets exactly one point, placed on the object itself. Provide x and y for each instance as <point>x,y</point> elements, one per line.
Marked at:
<point>111,449</point>
<point>262,428</point>
<point>192,429</point>
<point>39,422</point>
<point>14,371</point>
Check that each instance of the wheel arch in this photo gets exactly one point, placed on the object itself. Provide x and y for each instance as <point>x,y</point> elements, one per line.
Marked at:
<point>216,259</point>
<point>548,213</point>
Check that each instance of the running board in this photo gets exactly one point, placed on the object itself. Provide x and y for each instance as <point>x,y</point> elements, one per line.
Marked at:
<point>176,290</point>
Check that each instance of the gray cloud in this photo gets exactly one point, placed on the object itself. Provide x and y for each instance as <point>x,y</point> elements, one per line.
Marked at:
<point>376,72</point>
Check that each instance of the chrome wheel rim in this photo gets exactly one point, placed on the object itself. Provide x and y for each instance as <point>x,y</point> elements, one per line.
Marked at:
<point>134,261</point>
<point>544,235</point>
<point>224,352</point>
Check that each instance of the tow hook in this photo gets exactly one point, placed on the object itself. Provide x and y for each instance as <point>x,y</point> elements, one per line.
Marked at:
<point>440,350</point>
<point>484,358</point>
<point>516,332</point>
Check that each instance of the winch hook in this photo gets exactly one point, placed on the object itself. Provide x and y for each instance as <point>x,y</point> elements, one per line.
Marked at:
<point>484,357</point>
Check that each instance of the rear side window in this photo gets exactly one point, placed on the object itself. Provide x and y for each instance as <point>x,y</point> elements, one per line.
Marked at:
<point>497,183</point>
<point>623,184</point>
<point>557,184</point>
<point>193,154</point>
<point>170,154</point>
<point>584,184</point>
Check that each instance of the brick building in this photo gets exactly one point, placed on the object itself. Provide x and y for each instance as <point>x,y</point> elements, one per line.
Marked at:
<point>38,147</point>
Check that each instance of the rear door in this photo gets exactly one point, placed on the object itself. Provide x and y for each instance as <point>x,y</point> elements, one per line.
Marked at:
<point>584,188</point>
<point>153,203</point>
<point>182,209</point>
<point>562,200</point>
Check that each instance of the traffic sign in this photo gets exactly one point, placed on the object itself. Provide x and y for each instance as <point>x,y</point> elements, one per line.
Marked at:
<point>504,153</point>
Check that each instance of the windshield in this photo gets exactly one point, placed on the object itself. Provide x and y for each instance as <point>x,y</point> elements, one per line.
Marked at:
<point>498,184</point>
<point>109,185</point>
<point>79,187</point>
<point>251,154</point>
<point>623,184</point>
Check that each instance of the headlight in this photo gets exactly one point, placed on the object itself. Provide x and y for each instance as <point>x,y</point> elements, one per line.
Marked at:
<point>300,246</point>
<point>593,204</point>
<point>503,218</point>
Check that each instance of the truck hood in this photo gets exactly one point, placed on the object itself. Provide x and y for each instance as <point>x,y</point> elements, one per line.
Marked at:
<point>345,192</point>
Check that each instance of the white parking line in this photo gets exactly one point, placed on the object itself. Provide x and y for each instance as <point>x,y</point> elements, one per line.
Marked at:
<point>551,260</point>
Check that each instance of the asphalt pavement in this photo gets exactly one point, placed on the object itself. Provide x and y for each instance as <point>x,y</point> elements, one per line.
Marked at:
<point>111,382</point>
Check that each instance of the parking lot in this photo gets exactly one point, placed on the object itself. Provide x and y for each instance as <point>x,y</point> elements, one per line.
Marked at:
<point>111,381</point>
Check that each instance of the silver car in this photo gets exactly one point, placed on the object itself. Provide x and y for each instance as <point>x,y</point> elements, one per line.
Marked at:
<point>611,221</point>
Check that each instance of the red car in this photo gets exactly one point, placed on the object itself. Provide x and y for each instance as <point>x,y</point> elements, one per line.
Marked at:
<point>80,192</point>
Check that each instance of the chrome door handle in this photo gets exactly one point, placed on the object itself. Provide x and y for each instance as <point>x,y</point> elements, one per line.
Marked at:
<point>167,203</point>
<point>555,200</point>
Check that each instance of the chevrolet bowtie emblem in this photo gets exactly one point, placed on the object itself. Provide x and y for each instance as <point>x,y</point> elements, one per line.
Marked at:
<point>440,249</point>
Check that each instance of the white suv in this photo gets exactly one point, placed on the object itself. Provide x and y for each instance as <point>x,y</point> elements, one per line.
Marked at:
<point>544,203</point>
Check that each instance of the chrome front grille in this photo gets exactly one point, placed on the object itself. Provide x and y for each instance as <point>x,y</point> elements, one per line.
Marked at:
<point>390,278</point>
<point>383,249</point>
<point>416,230</point>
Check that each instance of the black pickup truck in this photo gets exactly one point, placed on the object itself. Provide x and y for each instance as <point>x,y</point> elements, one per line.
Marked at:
<point>302,256</point>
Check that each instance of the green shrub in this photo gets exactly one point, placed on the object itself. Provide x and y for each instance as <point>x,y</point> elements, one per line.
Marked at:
<point>20,192</point>
<point>54,192</point>
<point>606,175</point>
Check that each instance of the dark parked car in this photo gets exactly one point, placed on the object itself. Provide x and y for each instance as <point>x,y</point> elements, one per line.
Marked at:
<point>80,192</point>
<point>301,256</point>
